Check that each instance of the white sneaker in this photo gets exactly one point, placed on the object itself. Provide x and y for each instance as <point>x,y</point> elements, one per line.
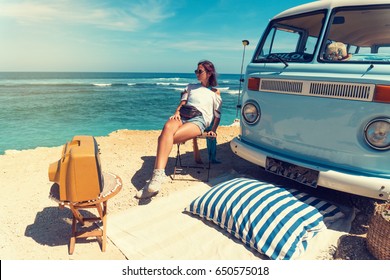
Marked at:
<point>153,187</point>
<point>145,193</point>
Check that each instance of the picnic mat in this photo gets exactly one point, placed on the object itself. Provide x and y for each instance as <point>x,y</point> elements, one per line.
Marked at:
<point>161,230</point>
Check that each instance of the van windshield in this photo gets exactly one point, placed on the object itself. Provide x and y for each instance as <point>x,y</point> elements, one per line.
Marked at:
<point>359,34</point>
<point>292,39</point>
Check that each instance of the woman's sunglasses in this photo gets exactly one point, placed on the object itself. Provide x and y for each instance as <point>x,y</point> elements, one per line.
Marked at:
<point>199,72</point>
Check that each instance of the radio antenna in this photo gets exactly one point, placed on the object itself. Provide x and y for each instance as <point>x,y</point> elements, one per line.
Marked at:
<point>245,43</point>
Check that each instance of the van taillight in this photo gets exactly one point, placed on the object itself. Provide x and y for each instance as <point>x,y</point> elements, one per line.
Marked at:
<point>254,84</point>
<point>382,93</point>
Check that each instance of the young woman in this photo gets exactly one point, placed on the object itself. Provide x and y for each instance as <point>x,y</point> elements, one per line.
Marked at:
<point>200,105</point>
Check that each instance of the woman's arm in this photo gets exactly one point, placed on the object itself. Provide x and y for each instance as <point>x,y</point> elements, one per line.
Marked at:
<point>215,125</point>
<point>217,113</point>
<point>176,115</point>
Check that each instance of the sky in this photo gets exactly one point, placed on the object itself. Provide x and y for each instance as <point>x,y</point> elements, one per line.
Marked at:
<point>133,35</point>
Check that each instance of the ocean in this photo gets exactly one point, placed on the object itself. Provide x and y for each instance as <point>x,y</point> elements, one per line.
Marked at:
<point>47,109</point>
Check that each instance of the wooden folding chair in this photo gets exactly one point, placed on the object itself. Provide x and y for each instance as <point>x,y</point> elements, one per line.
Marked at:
<point>112,185</point>
<point>180,167</point>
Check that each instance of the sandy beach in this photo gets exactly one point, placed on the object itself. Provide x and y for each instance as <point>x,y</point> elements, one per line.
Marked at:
<point>35,228</point>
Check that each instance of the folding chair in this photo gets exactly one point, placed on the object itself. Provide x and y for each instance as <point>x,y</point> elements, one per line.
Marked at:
<point>180,167</point>
<point>112,185</point>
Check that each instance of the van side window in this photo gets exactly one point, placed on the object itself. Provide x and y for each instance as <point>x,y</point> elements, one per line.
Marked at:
<point>364,32</point>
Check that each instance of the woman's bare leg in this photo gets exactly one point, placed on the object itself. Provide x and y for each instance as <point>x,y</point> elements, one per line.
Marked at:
<point>173,132</point>
<point>165,143</point>
<point>164,147</point>
<point>170,135</point>
<point>197,157</point>
<point>186,132</point>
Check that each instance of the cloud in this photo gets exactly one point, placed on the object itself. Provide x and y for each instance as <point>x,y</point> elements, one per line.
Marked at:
<point>225,44</point>
<point>126,17</point>
<point>152,10</point>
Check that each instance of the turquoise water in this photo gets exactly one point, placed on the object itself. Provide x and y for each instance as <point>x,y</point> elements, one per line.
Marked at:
<point>48,109</point>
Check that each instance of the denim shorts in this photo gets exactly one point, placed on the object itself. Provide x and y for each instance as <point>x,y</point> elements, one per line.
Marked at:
<point>199,121</point>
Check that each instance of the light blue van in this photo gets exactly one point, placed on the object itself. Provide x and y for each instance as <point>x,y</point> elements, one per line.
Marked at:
<point>315,105</point>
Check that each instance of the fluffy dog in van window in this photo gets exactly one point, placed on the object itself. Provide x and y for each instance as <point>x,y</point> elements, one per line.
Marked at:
<point>337,51</point>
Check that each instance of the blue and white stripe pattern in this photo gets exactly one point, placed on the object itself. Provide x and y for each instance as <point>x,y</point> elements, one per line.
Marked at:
<point>268,218</point>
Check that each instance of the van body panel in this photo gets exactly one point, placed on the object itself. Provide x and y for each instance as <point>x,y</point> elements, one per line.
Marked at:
<point>310,100</point>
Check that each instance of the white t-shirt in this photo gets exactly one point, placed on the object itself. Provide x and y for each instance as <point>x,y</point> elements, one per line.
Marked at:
<point>205,100</point>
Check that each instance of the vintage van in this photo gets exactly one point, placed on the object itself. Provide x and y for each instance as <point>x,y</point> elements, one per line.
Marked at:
<point>315,105</point>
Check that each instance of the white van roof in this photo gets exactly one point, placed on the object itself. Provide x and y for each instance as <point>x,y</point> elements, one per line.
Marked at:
<point>328,4</point>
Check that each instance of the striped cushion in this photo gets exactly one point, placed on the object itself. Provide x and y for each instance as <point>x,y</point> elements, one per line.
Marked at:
<point>270,219</point>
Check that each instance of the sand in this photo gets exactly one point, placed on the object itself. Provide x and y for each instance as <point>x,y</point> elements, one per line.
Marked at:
<point>35,228</point>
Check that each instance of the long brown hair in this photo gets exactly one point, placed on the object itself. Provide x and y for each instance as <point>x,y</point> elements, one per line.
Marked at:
<point>209,67</point>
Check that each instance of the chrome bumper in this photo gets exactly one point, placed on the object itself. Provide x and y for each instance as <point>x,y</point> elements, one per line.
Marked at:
<point>372,187</point>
